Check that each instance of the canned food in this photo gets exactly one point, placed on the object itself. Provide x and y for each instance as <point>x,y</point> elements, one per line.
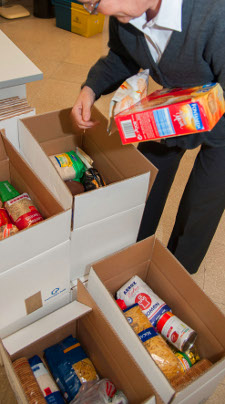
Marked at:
<point>176,331</point>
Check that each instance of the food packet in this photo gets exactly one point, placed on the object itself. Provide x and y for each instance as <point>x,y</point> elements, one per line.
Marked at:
<point>45,381</point>
<point>7,191</point>
<point>22,211</point>
<point>69,366</point>
<point>92,179</point>
<point>100,392</point>
<point>137,291</point>
<point>159,314</point>
<point>68,165</point>
<point>28,381</point>
<point>129,93</point>
<point>154,343</point>
<point>7,230</point>
<point>4,217</point>
<point>87,160</point>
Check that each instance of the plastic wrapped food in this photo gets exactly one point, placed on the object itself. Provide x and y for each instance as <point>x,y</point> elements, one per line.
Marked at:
<point>22,211</point>
<point>100,392</point>
<point>45,381</point>
<point>137,291</point>
<point>87,160</point>
<point>154,343</point>
<point>68,165</point>
<point>28,381</point>
<point>7,230</point>
<point>4,217</point>
<point>158,312</point>
<point>69,366</point>
<point>92,180</point>
<point>7,191</point>
<point>129,93</point>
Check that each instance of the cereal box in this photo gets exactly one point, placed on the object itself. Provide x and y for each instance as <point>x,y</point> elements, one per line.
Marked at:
<point>172,112</point>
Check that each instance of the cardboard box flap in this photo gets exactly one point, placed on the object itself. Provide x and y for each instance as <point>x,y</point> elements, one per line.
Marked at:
<point>127,159</point>
<point>105,359</point>
<point>120,262</point>
<point>112,312</point>
<point>44,167</point>
<point>3,154</point>
<point>51,125</point>
<point>44,326</point>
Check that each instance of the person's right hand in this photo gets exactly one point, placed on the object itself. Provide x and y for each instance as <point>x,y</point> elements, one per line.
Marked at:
<point>81,111</point>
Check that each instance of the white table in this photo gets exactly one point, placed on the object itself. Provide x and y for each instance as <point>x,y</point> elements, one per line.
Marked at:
<point>15,69</point>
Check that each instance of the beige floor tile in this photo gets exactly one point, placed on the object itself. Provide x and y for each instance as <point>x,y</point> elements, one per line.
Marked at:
<point>214,285</point>
<point>53,95</point>
<point>70,72</point>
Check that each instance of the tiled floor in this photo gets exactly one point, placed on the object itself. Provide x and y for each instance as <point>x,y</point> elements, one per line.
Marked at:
<point>65,59</point>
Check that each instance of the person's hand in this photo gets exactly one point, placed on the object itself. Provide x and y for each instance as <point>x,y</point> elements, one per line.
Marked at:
<point>81,111</point>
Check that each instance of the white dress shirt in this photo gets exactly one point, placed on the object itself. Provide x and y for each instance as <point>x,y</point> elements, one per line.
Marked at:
<point>159,30</point>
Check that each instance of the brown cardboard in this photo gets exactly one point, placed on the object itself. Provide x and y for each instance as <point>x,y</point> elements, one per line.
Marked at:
<point>110,158</point>
<point>151,261</point>
<point>33,302</point>
<point>97,337</point>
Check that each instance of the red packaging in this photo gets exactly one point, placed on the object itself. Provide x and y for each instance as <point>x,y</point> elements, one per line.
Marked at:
<point>22,211</point>
<point>4,217</point>
<point>172,112</point>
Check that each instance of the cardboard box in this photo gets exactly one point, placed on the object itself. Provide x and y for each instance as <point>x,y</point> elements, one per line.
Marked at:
<point>151,261</point>
<point>52,231</point>
<point>84,320</point>
<point>172,112</point>
<point>128,174</point>
<point>34,288</point>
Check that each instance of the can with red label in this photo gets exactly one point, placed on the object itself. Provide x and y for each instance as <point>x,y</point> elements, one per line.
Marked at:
<point>176,331</point>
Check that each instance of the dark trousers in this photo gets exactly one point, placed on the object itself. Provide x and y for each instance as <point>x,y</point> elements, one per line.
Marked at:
<point>201,205</point>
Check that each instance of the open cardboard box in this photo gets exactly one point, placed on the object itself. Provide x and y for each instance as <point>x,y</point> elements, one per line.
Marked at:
<point>34,288</point>
<point>52,231</point>
<point>151,261</point>
<point>84,320</point>
<point>116,208</point>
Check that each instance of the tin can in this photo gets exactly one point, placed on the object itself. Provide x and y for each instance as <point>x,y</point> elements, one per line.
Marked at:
<point>176,331</point>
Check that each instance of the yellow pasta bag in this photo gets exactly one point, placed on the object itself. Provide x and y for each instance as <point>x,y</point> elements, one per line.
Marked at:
<point>154,343</point>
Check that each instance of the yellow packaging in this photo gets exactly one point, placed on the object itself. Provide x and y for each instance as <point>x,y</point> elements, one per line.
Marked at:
<point>83,23</point>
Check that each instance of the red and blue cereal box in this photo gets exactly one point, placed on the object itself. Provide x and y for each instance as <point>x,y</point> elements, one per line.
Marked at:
<point>172,112</point>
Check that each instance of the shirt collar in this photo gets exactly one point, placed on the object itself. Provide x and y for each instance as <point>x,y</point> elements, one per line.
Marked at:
<point>169,16</point>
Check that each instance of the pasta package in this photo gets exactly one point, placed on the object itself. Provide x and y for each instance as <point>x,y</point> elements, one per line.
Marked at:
<point>22,211</point>
<point>154,343</point>
<point>70,366</point>
<point>28,381</point>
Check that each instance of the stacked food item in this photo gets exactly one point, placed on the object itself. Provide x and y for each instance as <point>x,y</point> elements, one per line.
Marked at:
<point>169,341</point>
<point>76,169</point>
<point>17,211</point>
<point>68,376</point>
